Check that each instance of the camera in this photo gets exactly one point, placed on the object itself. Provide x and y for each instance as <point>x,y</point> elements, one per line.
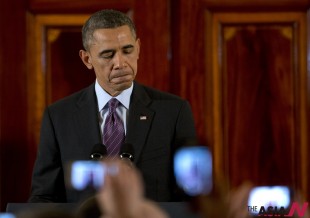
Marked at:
<point>87,174</point>
<point>193,170</point>
<point>269,198</point>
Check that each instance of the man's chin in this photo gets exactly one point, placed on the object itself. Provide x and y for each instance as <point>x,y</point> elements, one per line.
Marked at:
<point>124,85</point>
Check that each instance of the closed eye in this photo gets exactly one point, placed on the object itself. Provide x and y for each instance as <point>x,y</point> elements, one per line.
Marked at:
<point>107,54</point>
<point>128,49</point>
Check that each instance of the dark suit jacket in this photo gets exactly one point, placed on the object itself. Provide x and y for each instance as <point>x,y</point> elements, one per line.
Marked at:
<point>70,129</point>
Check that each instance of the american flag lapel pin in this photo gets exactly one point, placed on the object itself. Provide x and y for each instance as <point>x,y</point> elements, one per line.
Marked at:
<point>143,117</point>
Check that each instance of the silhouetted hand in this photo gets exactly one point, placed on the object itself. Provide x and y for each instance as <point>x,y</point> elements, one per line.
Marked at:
<point>122,193</point>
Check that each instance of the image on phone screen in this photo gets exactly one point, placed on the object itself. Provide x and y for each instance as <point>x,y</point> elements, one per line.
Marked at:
<point>193,170</point>
<point>86,174</point>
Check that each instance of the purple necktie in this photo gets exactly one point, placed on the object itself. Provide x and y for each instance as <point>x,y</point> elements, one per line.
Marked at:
<point>113,131</point>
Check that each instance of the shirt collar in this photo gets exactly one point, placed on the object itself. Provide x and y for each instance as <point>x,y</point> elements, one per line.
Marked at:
<point>103,97</point>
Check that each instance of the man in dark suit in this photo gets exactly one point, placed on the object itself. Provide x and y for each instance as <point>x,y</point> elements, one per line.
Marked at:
<point>154,122</point>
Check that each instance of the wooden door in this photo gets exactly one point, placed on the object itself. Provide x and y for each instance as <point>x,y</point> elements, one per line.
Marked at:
<point>259,81</point>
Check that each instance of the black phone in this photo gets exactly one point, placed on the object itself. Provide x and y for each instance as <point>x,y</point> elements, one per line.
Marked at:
<point>269,200</point>
<point>193,170</point>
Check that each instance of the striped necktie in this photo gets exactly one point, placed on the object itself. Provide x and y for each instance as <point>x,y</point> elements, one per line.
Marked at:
<point>113,131</point>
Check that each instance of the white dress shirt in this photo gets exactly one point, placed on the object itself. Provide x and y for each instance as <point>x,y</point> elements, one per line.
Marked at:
<point>103,108</point>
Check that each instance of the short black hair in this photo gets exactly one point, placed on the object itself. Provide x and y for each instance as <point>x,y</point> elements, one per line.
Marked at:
<point>105,19</point>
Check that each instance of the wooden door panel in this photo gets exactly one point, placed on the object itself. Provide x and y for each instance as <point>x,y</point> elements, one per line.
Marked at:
<point>259,89</point>
<point>54,67</point>
<point>258,95</point>
<point>66,73</point>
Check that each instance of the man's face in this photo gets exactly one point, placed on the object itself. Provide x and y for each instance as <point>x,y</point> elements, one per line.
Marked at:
<point>113,54</point>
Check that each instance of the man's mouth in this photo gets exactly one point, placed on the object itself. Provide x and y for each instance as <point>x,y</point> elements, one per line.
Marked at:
<point>119,74</point>
<point>120,77</point>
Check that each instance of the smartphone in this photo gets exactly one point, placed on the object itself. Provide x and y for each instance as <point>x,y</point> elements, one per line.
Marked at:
<point>7,215</point>
<point>193,170</point>
<point>273,197</point>
<point>82,175</point>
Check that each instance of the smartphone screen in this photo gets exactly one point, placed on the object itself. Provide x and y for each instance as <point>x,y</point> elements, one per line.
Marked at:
<point>269,196</point>
<point>193,170</point>
<point>86,174</point>
<point>7,215</point>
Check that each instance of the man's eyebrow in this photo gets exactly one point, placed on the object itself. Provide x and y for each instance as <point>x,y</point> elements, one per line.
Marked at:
<point>128,46</point>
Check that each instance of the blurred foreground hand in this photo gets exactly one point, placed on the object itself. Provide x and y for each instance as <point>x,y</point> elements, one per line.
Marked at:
<point>122,194</point>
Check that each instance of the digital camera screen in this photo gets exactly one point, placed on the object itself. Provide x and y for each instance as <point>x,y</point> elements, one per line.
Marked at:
<point>86,174</point>
<point>7,215</point>
<point>193,170</point>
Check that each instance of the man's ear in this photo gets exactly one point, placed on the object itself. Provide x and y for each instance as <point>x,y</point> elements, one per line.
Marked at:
<point>138,44</point>
<point>85,57</point>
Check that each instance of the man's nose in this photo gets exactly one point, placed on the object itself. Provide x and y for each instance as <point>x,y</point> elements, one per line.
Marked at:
<point>119,61</point>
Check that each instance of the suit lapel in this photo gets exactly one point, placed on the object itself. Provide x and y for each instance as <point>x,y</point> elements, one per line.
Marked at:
<point>86,117</point>
<point>140,119</point>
